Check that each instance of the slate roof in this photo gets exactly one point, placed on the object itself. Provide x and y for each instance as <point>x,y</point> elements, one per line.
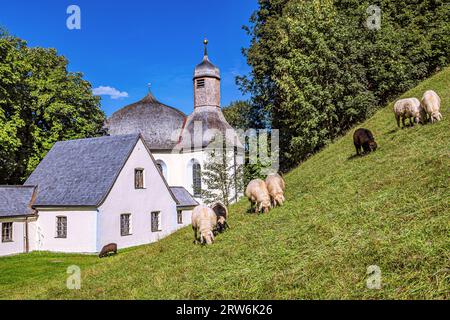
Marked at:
<point>15,201</point>
<point>157,122</point>
<point>183,197</point>
<point>81,172</point>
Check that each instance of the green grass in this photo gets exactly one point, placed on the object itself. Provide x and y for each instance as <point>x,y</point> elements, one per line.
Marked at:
<point>343,214</point>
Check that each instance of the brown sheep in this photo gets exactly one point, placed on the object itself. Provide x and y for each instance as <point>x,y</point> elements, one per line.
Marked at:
<point>109,248</point>
<point>364,138</point>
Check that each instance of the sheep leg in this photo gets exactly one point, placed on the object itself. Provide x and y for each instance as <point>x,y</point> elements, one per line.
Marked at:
<point>357,149</point>
<point>397,117</point>
<point>195,235</point>
<point>403,122</point>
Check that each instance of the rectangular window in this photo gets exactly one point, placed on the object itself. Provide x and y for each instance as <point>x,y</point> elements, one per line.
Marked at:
<point>200,83</point>
<point>125,224</point>
<point>61,227</point>
<point>7,232</point>
<point>156,221</point>
<point>180,217</point>
<point>139,179</point>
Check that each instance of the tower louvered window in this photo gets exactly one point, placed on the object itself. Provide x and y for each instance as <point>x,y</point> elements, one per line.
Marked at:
<point>200,83</point>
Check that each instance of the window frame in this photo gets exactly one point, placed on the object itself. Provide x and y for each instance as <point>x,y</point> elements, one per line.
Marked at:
<point>129,231</point>
<point>64,227</point>
<point>10,231</point>
<point>139,182</point>
<point>180,216</point>
<point>154,228</point>
<point>197,181</point>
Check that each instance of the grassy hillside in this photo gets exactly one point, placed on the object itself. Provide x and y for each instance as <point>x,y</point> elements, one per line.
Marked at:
<point>390,208</point>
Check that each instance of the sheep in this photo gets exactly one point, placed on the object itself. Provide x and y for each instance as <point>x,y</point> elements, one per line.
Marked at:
<point>258,194</point>
<point>276,186</point>
<point>110,248</point>
<point>204,220</point>
<point>431,103</point>
<point>221,212</point>
<point>409,108</point>
<point>364,138</point>
<point>222,224</point>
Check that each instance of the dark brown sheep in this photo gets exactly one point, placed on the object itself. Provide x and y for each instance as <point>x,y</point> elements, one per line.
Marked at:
<point>364,138</point>
<point>110,248</point>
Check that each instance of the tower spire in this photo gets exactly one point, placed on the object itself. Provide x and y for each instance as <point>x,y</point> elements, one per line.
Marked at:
<point>205,42</point>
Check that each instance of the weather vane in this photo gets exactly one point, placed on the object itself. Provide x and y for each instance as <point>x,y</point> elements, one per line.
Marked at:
<point>205,42</point>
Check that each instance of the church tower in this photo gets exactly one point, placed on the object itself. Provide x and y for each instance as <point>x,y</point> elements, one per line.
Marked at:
<point>206,83</point>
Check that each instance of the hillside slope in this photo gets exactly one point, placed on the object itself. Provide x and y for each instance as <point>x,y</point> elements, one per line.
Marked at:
<point>342,214</point>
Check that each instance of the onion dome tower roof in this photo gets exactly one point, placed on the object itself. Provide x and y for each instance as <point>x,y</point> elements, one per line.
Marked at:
<point>206,68</point>
<point>158,123</point>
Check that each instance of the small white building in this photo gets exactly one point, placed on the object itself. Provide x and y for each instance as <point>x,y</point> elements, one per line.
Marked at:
<point>88,193</point>
<point>17,219</point>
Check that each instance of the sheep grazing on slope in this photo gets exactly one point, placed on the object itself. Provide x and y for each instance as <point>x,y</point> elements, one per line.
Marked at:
<point>407,109</point>
<point>108,250</point>
<point>276,186</point>
<point>431,103</point>
<point>258,195</point>
<point>364,138</point>
<point>204,220</point>
<point>221,212</point>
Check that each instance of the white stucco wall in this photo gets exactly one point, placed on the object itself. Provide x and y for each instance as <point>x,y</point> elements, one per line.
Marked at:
<point>124,198</point>
<point>179,167</point>
<point>81,231</point>
<point>18,244</point>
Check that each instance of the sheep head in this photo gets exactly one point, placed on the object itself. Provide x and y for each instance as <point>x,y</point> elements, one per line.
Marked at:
<point>207,237</point>
<point>373,146</point>
<point>279,199</point>
<point>265,206</point>
<point>221,224</point>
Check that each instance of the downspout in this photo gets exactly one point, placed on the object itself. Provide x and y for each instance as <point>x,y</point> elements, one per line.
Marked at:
<point>27,238</point>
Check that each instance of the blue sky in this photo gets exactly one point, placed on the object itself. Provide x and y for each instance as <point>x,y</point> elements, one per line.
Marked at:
<point>128,44</point>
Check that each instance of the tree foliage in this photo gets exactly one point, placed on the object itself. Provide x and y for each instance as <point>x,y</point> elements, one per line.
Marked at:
<point>40,103</point>
<point>317,69</point>
<point>222,176</point>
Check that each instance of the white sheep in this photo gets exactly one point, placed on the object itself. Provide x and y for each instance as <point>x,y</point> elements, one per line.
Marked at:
<point>407,109</point>
<point>258,195</point>
<point>204,220</point>
<point>276,186</point>
<point>431,103</point>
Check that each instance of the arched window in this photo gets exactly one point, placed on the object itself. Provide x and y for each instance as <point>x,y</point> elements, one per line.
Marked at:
<point>197,179</point>
<point>162,168</point>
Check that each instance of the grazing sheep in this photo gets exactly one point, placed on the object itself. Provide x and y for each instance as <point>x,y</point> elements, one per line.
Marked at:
<point>364,138</point>
<point>407,109</point>
<point>258,194</point>
<point>431,103</point>
<point>276,186</point>
<point>221,212</point>
<point>109,248</point>
<point>222,224</point>
<point>204,220</point>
